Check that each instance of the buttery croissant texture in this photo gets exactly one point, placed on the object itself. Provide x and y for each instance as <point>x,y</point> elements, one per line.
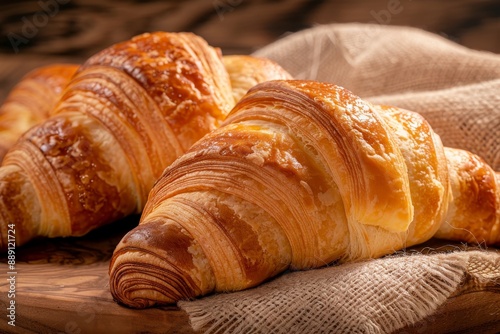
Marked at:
<point>31,101</point>
<point>300,174</point>
<point>125,115</point>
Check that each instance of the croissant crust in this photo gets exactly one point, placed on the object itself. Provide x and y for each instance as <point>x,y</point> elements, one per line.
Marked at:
<point>126,114</point>
<point>300,174</point>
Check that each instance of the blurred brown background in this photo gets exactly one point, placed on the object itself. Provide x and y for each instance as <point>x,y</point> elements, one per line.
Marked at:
<point>38,32</point>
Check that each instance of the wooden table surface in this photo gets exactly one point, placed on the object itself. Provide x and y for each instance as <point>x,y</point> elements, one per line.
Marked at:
<point>62,284</point>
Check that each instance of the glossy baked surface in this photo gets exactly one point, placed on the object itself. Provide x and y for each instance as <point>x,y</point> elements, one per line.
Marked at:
<point>300,174</point>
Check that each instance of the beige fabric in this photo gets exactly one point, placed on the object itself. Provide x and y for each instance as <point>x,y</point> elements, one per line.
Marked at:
<point>458,91</point>
<point>455,88</point>
<point>378,296</point>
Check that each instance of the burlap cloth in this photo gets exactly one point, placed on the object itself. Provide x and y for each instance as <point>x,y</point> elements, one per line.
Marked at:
<point>458,92</point>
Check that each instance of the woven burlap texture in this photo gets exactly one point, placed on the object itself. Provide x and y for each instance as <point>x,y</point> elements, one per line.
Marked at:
<point>458,92</point>
<point>377,296</point>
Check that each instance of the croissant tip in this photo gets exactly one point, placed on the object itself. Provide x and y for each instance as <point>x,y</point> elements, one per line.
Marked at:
<point>123,293</point>
<point>136,303</point>
<point>143,285</point>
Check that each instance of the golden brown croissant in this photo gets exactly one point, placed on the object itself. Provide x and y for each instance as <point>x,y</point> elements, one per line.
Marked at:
<point>127,114</point>
<point>300,174</point>
<point>247,71</point>
<point>31,101</point>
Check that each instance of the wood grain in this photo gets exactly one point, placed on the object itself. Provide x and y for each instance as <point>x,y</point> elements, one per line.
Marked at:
<point>475,312</point>
<point>62,287</point>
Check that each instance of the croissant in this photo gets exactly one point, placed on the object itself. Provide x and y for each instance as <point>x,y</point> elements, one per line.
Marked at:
<point>128,112</point>
<point>300,174</point>
<point>31,101</point>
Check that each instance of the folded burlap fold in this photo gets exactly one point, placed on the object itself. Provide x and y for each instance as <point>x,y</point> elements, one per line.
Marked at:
<point>377,296</point>
<point>458,92</point>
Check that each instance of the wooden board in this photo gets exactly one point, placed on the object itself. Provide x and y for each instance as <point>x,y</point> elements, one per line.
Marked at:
<point>62,287</point>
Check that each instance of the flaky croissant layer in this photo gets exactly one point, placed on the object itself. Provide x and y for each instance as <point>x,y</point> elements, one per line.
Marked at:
<point>300,174</point>
<point>126,114</point>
